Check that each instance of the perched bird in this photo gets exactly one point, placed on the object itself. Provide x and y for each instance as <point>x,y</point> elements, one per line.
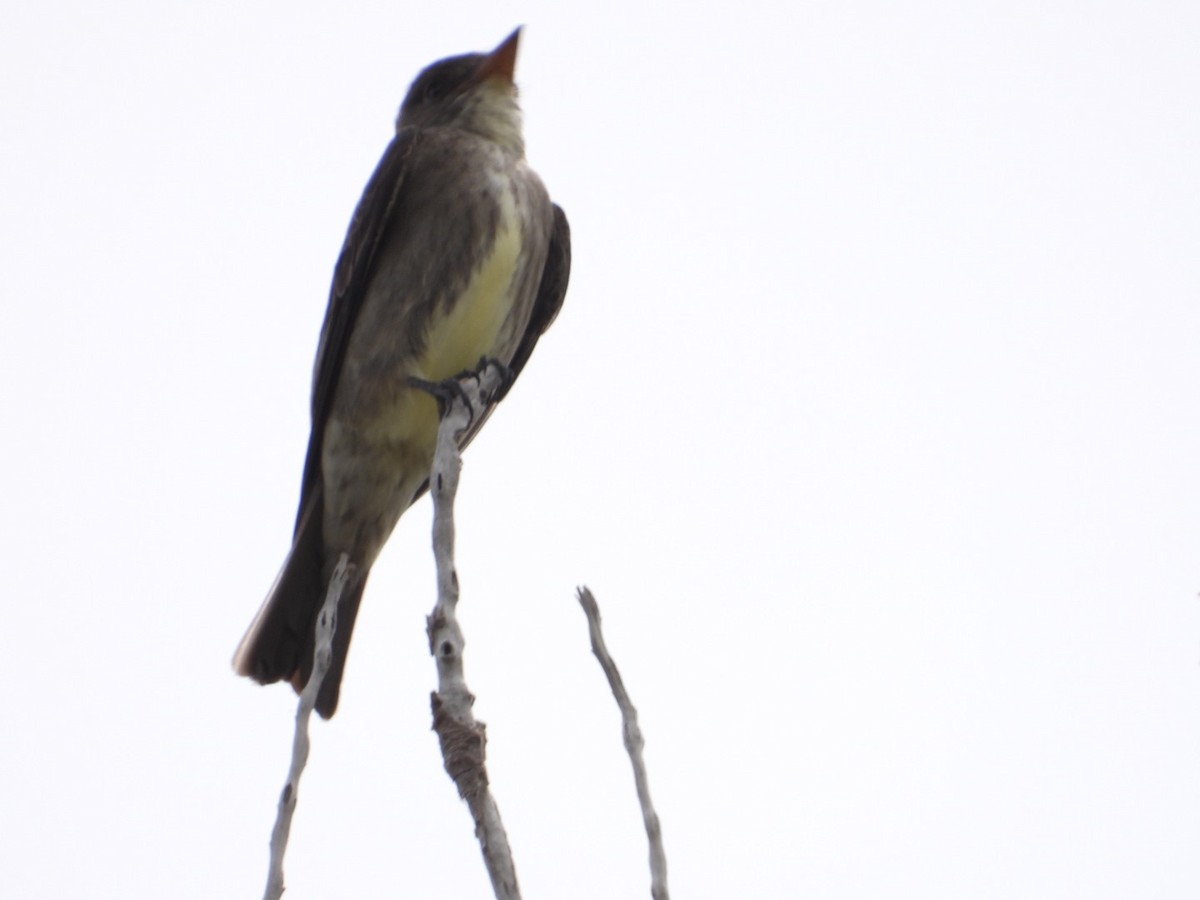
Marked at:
<point>455,253</point>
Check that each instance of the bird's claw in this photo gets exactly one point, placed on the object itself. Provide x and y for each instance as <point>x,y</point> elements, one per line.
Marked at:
<point>448,390</point>
<point>487,362</point>
<point>444,392</point>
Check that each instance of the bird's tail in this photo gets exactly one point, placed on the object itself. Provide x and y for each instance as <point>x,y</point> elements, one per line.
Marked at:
<point>279,643</point>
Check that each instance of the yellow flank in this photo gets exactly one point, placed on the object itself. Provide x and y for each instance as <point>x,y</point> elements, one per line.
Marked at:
<point>456,342</point>
<point>472,326</point>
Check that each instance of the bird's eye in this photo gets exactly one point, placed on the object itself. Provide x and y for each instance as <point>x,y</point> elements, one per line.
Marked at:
<point>437,89</point>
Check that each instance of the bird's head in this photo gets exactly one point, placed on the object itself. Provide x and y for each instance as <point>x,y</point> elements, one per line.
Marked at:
<point>474,92</point>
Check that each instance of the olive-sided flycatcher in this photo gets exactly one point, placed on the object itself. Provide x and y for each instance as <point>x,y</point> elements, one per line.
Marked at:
<point>455,253</point>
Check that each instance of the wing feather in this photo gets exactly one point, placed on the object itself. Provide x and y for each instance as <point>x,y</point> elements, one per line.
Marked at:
<point>377,213</point>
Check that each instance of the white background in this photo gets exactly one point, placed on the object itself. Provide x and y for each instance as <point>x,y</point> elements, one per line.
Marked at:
<point>872,418</point>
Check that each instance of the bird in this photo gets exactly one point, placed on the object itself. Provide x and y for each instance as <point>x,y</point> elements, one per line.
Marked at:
<point>454,254</point>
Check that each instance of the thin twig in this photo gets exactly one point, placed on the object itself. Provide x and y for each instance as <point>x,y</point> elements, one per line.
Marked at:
<point>463,739</point>
<point>633,745</point>
<point>326,624</point>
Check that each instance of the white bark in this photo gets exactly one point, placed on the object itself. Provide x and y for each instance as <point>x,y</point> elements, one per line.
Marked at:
<point>633,745</point>
<point>463,739</point>
<point>326,624</point>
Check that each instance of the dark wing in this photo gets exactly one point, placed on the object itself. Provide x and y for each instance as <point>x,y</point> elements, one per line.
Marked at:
<point>376,214</point>
<point>551,291</point>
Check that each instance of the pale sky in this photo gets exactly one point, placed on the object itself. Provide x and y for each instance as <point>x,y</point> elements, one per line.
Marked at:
<point>872,418</point>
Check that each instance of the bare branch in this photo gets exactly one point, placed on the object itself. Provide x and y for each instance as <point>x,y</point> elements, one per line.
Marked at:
<point>463,739</point>
<point>633,745</point>
<point>326,624</point>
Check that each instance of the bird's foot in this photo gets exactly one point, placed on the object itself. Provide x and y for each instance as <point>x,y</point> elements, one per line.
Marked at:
<point>445,392</point>
<point>488,362</point>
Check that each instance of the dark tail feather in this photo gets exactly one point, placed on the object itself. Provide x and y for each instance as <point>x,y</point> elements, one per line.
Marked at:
<point>347,612</point>
<point>279,642</point>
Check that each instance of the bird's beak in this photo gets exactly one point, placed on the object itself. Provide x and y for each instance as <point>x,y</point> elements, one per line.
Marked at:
<point>501,63</point>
